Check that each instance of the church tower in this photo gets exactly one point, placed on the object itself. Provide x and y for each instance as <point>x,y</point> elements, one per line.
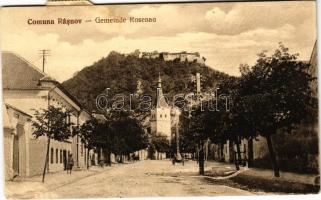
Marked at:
<point>161,115</point>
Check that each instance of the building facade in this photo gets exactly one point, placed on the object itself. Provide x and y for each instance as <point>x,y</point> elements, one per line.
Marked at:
<point>26,89</point>
<point>161,115</point>
<point>80,152</point>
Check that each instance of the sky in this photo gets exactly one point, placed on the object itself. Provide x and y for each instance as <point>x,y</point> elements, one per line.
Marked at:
<point>226,34</point>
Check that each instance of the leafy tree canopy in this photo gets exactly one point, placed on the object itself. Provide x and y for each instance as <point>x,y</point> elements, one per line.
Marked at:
<point>52,122</point>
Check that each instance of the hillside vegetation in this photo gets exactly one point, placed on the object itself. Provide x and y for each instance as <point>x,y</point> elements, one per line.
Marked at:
<point>121,74</point>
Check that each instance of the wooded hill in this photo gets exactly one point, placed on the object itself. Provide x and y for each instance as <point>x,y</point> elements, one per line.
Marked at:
<point>121,73</point>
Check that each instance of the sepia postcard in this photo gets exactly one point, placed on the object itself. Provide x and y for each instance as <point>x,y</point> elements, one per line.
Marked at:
<point>159,99</point>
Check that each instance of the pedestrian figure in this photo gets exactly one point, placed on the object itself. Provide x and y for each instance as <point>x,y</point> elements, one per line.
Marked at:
<point>70,163</point>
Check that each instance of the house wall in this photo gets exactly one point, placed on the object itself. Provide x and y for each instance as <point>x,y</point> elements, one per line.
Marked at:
<point>58,165</point>
<point>93,157</point>
<point>21,124</point>
<point>37,160</point>
<point>27,100</point>
<point>22,150</point>
<point>7,144</point>
<point>32,152</point>
<point>260,149</point>
<point>78,152</point>
<point>143,154</point>
<point>82,155</point>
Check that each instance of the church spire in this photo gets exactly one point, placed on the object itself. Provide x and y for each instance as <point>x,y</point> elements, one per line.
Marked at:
<point>159,85</point>
<point>161,101</point>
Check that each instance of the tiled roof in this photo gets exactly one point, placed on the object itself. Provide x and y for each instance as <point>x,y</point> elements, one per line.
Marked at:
<point>18,73</point>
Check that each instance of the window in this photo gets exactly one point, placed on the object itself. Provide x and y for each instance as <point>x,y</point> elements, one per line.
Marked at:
<point>165,115</point>
<point>57,155</point>
<point>60,155</point>
<point>160,115</point>
<point>51,155</point>
<point>82,150</point>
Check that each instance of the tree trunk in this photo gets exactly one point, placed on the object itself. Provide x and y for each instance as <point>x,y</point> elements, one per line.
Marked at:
<point>237,167</point>
<point>105,156</point>
<point>99,155</point>
<point>108,158</point>
<point>273,156</point>
<point>46,161</point>
<point>121,158</point>
<point>238,151</point>
<point>250,152</point>
<point>88,160</point>
<point>221,151</point>
<point>201,160</point>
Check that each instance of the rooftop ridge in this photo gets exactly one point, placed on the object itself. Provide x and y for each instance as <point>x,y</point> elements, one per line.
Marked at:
<point>29,63</point>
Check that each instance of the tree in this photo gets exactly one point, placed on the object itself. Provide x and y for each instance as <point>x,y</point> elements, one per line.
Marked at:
<point>120,134</point>
<point>232,124</point>
<point>160,143</point>
<point>89,133</point>
<point>185,145</point>
<point>54,124</point>
<point>196,127</point>
<point>128,135</point>
<point>276,95</point>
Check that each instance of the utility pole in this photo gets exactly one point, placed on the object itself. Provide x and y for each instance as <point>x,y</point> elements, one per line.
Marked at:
<point>178,153</point>
<point>44,53</point>
<point>175,113</point>
<point>198,83</point>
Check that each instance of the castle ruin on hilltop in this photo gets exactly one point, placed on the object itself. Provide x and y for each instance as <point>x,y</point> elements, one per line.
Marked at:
<point>167,56</point>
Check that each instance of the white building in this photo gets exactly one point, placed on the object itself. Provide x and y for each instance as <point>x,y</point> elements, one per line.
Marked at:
<point>26,89</point>
<point>161,114</point>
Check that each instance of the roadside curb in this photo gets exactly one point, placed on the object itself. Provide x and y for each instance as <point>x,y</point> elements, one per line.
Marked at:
<point>274,185</point>
<point>228,176</point>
